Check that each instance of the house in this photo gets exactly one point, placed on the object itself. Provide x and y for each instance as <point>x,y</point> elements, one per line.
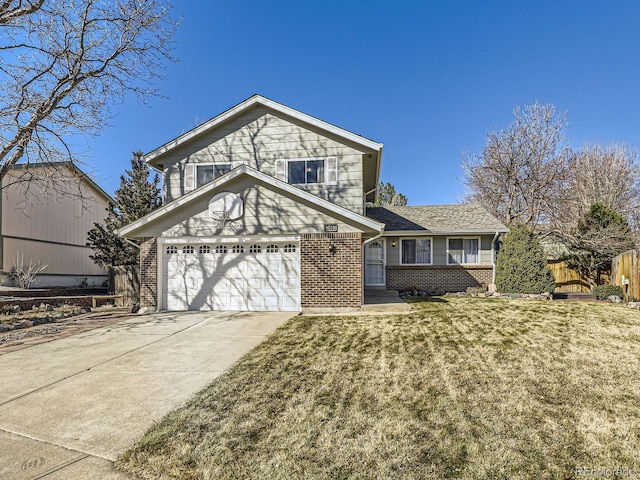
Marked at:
<point>265,209</point>
<point>446,248</point>
<point>47,223</point>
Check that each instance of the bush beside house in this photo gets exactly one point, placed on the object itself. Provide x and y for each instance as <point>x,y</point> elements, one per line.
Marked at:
<point>521,266</point>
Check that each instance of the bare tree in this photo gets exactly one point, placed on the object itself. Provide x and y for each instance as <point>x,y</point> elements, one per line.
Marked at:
<point>604,175</point>
<point>12,9</point>
<point>518,174</point>
<point>65,63</point>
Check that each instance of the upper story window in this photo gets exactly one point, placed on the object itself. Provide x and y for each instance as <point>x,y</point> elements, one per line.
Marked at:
<point>463,251</point>
<point>308,171</point>
<point>416,251</point>
<point>205,172</point>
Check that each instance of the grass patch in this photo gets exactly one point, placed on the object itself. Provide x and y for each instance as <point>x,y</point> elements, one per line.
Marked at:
<point>467,388</point>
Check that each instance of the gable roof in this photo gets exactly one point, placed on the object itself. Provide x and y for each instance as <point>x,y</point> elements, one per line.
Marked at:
<point>71,166</point>
<point>275,106</point>
<point>437,219</point>
<point>303,196</point>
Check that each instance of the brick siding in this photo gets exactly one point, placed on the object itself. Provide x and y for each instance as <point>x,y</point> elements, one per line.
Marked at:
<point>451,278</point>
<point>149,273</point>
<point>331,280</point>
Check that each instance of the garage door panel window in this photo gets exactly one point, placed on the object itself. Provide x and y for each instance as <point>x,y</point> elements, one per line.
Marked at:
<point>237,249</point>
<point>187,249</point>
<point>204,249</point>
<point>172,249</point>
<point>289,248</point>
<point>272,248</point>
<point>221,249</point>
<point>461,251</point>
<point>255,249</point>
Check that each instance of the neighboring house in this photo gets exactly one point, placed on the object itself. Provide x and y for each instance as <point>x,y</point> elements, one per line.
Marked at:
<point>264,209</point>
<point>48,223</point>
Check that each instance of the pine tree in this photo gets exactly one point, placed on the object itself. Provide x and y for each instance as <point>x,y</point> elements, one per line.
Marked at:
<point>600,236</point>
<point>136,197</point>
<point>388,197</point>
<point>521,266</point>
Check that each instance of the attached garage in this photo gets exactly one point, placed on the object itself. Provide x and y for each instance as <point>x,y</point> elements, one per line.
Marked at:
<point>242,274</point>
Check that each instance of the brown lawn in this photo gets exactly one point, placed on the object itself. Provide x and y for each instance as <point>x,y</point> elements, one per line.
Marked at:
<point>466,388</point>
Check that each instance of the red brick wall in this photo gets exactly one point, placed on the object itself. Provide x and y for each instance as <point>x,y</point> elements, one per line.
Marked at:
<point>149,273</point>
<point>453,278</point>
<point>331,280</point>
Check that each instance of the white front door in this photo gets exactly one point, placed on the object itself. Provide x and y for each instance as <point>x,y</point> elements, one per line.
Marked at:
<point>374,264</point>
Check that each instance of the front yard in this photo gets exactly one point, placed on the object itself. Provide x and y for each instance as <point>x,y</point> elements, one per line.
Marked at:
<point>467,388</point>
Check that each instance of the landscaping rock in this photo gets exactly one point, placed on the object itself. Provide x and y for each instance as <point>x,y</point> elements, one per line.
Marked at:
<point>634,304</point>
<point>5,328</point>
<point>143,310</point>
<point>614,299</point>
<point>26,323</point>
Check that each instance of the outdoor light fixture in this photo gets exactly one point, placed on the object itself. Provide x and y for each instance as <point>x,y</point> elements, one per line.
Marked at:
<point>393,244</point>
<point>332,249</point>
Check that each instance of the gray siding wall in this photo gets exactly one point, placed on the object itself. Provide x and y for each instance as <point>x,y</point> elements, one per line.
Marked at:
<point>439,245</point>
<point>258,138</point>
<point>266,213</point>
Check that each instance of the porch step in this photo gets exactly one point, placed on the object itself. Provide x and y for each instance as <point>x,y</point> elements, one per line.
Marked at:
<point>386,301</point>
<point>380,293</point>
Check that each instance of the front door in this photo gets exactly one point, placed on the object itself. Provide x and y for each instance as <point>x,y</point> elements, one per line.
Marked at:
<point>374,264</point>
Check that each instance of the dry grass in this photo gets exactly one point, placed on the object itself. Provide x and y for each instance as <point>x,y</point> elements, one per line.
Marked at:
<point>462,388</point>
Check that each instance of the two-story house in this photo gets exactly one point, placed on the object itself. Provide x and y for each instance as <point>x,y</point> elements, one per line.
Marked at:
<point>265,209</point>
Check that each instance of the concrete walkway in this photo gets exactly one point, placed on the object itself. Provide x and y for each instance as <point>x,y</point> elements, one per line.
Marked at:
<point>69,407</point>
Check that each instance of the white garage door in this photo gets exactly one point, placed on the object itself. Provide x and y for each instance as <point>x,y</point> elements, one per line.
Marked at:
<point>232,276</point>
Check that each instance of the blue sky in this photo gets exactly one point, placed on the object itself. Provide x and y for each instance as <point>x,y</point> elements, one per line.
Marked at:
<point>427,79</point>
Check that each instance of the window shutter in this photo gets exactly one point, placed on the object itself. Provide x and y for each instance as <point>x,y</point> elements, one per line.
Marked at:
<point>281,173</point>
<point>332,171</point>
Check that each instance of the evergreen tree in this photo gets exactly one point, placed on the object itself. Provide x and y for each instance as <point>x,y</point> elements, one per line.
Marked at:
<point>136,197</point>
<point>521,266</point>
<point>387,196</point>
<point>601,235</point>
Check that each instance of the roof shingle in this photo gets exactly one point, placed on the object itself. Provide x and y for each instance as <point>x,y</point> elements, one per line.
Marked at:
<point>460,218</point>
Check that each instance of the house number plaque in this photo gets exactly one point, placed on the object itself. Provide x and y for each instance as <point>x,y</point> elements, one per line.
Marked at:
<point>330,227</point>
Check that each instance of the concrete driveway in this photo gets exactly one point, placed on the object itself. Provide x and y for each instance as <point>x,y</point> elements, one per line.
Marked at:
<point>69,407</point>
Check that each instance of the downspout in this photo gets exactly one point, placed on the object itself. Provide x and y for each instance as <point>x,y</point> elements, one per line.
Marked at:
<point>493,257</point>
<point>364,244</point>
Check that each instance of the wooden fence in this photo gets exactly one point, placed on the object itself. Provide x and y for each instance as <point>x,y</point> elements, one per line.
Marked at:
<point>125,281</point>
<point>567,279</point>
<point>626,264</point>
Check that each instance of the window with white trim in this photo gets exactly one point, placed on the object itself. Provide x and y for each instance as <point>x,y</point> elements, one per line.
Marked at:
<point>290,248</point>
<point>272,248</point>
<point>463,251</point>
<point>308,171</point>
<point>205,172</point>
<point>187,249</point>
<point>221,249</point>
<point>237,249</point>
<point>416,251</point>
<point>255,249</point>
<point>203,249</point>
<point>172,249</point>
